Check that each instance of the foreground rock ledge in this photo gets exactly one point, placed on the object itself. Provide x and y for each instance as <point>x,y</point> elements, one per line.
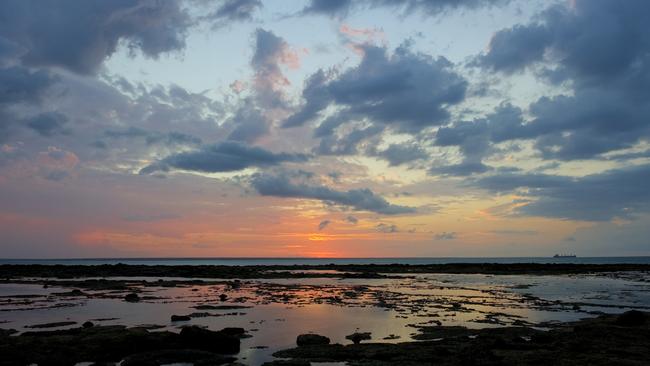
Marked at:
<point>136,346</point>
<point>607,340</point>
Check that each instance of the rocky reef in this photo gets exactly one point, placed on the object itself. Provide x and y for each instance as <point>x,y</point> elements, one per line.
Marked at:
<point>606,340</point>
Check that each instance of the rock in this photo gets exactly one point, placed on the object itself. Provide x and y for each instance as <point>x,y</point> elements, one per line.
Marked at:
<point>181,318</point>
<point>88,325</point>
<point>7,332</point>
<point>287,363</point>
<point>357,337</point>
<point>207,340</point>
<point>235,332</point>
<point>75,292</point>
<point>632,318</point>
<point>132,297</point>
<point>223,297</point>
<point>50,325</point>
<point>311,339</point>
<point>220,307</point>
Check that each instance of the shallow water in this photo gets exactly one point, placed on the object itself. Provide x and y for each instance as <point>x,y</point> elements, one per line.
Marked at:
<point>281,309</point>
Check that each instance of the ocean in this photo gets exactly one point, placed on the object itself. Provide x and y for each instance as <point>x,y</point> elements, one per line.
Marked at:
<point>324,261</point>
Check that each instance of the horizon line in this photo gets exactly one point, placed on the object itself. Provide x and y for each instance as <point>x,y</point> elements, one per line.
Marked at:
<point>311,258</point>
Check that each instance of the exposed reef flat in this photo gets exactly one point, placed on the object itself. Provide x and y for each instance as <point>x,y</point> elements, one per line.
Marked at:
<point>112,344</point>
<point>410,315</point>
<point>606,340</point>
<point>8,271</point>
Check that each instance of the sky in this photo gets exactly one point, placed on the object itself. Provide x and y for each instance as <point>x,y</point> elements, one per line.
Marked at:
<point>324,128</point>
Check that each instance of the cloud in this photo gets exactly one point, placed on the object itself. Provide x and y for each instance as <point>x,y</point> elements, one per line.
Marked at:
<point>616,193</point>
<point>280,185</point>
<point>80,35</point>
<point>255,114</point>
<point>475,138</point>
<point>271,52</point>
<point>515,232</point>
<point>323,224</point>
<point>21,85</point>
<point>48,124</point>
<point>234,11</point>
<point>446,235</point>
<point>386,228</point>
<point>598,49</point>
<point>154,137</point>
<point>150,218</point>
<point>56,164</point>
<point>349,143</point>
<point>341,8</point>
<point>249,124</point>
<point>464,169</point>
<point>316,99</point>
<point>512,49</point>
<point>226,156</point>
<point>398,154</point>
<point>406,91</point>
<point>21,89</point>
<point>351,219</point>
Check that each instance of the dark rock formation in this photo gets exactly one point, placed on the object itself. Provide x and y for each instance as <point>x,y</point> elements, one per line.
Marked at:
<point>311,339</point>
<point>181,318</point>
<point>204,339</point>
<point>132,297</point>
<point>606,340</point>
<point>357,337</point>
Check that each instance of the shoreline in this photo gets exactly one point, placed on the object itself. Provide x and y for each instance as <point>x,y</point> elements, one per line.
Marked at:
<point>12,271</point>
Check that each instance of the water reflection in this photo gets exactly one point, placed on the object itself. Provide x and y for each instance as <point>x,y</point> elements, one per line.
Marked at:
<point>275,311</point>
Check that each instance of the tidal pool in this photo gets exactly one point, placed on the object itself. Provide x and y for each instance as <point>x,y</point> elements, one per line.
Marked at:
<point>275,311</point>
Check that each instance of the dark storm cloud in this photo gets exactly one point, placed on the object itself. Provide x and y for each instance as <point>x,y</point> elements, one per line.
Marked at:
<point>281,185</point>
<point>620,193</point>
<point>340,8</point>
<point>80,34</point>
<point>405,90</point>
<point>226,156</point>
<point>602,49</point>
